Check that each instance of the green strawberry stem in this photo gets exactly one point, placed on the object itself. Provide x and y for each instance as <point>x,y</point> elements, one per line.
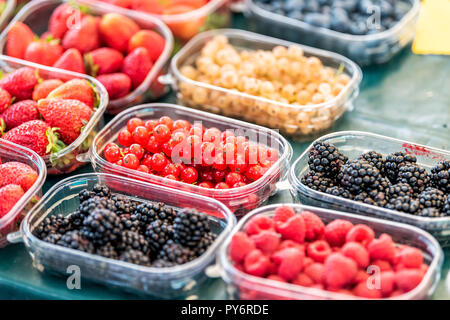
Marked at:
<point>54,144</point>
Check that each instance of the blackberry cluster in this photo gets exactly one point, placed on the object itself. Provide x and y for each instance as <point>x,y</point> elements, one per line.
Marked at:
<point>395,182</point>
<point>117,227</point>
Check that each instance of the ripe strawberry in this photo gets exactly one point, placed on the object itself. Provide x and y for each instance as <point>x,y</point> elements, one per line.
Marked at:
<point>19,37</point>
<point>44,52</point>
<point>137,65</point>
<point>9,196</point>
<point>120,3</point>
<point>189,27</point>
<point>20,112</point>
<point>117,30</point>
<point>42,89</point>
<point>152,6</point>
<point>150,40</point>
<point>102,61</point>
<point>85,38</point>
<point>5,100</point>
<point>69,115</point>
<point>63,17</point>
<point>20,83</point>
<point>14,172</point>
<point>117,84</point>
<point>78,89</point>
<point>71,60</point>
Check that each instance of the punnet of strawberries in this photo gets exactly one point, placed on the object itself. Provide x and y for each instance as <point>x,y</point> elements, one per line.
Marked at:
<point>112,47</point>
<point>300,249</point>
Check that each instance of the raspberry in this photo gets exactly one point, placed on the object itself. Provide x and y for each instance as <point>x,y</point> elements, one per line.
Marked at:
<point>307,262</point>
<point>289,261</point>
<point>303,280</point>
<point>259,223</point>
<point>383,265</point>
<point>282,214</point>
<point>361,276</point>
<point>316,272</point>
<point>256,263</point>
<point>382,248</point>
<point>336,232</point>
<point>266,241</point>
<point>357,252</point>
<point>362,290</point>
<point>240,246</point>
<point>396,293</point>
<point>275,278</point>
<point>291,244</point>
<point>318,250</point>
<point>360,233</point>
<point>293,229</point>
<point>408,279</point>
<point>424,268</point>
<point>339,270</point>
<point>314,227</point>
<point>387,283</point>
<point>410,257</point>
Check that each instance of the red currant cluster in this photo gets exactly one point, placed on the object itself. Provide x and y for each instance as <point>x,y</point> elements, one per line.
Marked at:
<point>181,151</point>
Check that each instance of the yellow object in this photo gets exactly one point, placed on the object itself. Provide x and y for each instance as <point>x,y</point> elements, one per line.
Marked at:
<point>433,28</point>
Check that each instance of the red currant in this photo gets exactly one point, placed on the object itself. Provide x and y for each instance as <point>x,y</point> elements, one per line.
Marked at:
<point>171,177</point>
<point>206,184</point>
<point>212,135</point>
<point>152,145</point>
<point>133,123</point>
<point>197,129</point>
<point>222,185</point>
<point>206,175</point>
<point>159,162</point>
<point>272,154</point>
<point>255,172</point>
<point>226,134</point>
<point>189,175</point>
<point>232,178</point>
<point>141,135</point>
<point>112,152</point>
<point>162,133</point>
<point>239,165</point>
<point>219,161</point>
<point>147,160</point>
<point>125,138</point>
<point>167,121</point>
<point>143,168</point>
<point>137,150</point>
<point>179,136</point>
<point>251,153</point>
<point>150,125</point>
<point>219,175</point>
<point>181,124</point>
<point>130,161</point>
<point>208,153</point>
<point>119,163</point>
<point>172,169</point>
<point>239,184</point>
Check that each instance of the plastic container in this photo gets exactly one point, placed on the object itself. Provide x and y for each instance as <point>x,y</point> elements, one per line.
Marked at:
<point>299,122</point>
<point>244,286</point>
<point>65,161</point>
<point>239,200</point>
<point>8,9</point>
<point>352,144</point>
<point>62,198</point>
<point>364,49</point>
<point>36,15</point>
<point>12,152</point>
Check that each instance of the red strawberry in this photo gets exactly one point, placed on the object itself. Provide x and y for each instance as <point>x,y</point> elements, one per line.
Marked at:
<point>42,89</point>
<point>120,3</point>
<point>69,115</point>
<point>5,100</point>
<point>117,84</point>
<point>20,83</point>
<point>9,196</point>
<point>44,52</point>
<point>152,6</point>
<point>20,112</point>
<point>63,17</point>
<point>103,60</point>
<point>71,60</point>
<point>150,40</point>
<point>17,173</point>
<point>137,65</point>
<point>85,37</point>
<point>19,37</point>
<point>78,89</point>
<point>117,30</point>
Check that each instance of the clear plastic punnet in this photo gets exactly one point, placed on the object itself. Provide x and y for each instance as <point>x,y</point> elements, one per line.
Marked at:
<point>36,15</point>
<point>172,282</point>
<point>363,49</point>
<point>239,200</point>
<point>352,144</point>
<point>302,122</point>
<point>12,152</point>
<point>244,286</point>
<point>65,161</point>
<point>8,9</point>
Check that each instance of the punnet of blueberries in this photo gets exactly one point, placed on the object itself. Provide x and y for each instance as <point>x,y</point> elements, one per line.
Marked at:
<point>356,17</point>
<point>395,181</point>
<point>140,232</point>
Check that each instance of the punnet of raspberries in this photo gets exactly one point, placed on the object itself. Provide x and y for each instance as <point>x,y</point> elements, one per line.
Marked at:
<point>140,232</point>
<point>190,153</point>
<point>395,181</point>
<point>111,47</point>
<point>300,249</point>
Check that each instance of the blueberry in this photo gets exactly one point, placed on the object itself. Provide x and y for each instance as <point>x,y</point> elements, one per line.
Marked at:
<point>339,20</point>
<point>358,28</point>
<point>311,6</point>
<point>318,20</point>
<point>348,5</point>
<point>401,9</point>
<point>296,14</point>
<point>386,9</point>
<point>293,5</point>
<point>366,6</point>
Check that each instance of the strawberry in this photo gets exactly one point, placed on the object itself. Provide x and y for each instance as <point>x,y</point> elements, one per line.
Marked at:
<point>187,28</point>
<point>120,3</point>
<point>20,83</point>
<point>103,60</point>
<point>19,37</point>
<point>84,38</point>
<point>14,172</point>
<point>150,40</point>
<point>137,65</point>
<point>9,196</point>
<point>5,100</point>
<point>35,135</point>
<point>20,112</point>
<point>117,30</point>
<point>42,89</point>
<point>63,17</point>
<point>117,84</point>
<point>44,52</point>
<point>152,6</point>
<point>71,60</point>
<point>69,115</point>
<point>78,89</point>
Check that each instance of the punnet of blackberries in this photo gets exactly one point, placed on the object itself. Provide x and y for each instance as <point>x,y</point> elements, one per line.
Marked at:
<point>115,226</point>
<point>394,181</point>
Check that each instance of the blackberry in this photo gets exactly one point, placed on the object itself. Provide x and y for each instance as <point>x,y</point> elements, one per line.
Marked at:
<point>339,192</point>
<point>123,205</point>
<point>108,251</point>
<point>159,263</point>
<point>364,198</point>
<point>76,219</point>
<point>135,241</point>
<point>175,253</point>
<point>74,240</point>
<point>129,222</point>
<point>417,177</point>
<point>85,194</point>
<point>96,202</point>
<point>317,181</point>
<point>102,226</point>
<point>399,190</point>
<point>395,161</point>
<point>375,159</point>
<point>432,197</point>
<point>189,227</point>
<point>359,175</point>
<point>146,213</point>
<point>207,240</point>
<point>325,158</point>
<point>380,184</point>
<point>135,257</point>
<point>52,224</point>
<point>53,238</point>
<point>101,191</point>
<point>374,197</point>
<point>157,234</point>
<point>440,176</point>
<point>406,204</point>
<point>431,212</point>
<point>446,207</point>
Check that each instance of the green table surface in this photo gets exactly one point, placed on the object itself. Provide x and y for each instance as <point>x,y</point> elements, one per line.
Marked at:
<point>407,98</point>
